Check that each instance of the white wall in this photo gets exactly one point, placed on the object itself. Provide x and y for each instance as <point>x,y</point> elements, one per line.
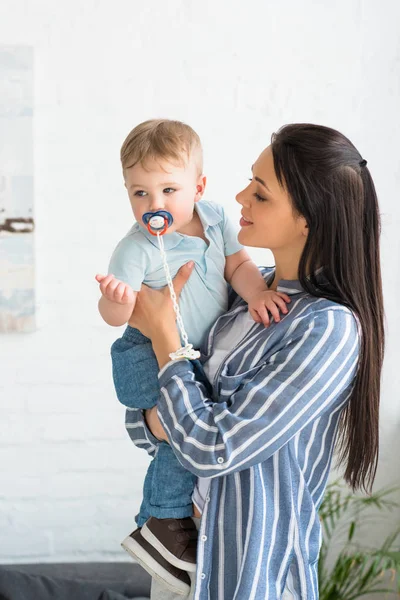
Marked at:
<point>70,480</point>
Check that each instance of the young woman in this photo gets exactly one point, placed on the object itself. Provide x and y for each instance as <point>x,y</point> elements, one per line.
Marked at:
<point>261,438</point>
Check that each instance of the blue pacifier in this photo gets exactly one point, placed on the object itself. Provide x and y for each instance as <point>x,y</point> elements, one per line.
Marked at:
<point>157,222</point>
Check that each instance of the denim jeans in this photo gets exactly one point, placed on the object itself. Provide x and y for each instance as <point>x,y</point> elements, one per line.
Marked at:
<point>168,487</point>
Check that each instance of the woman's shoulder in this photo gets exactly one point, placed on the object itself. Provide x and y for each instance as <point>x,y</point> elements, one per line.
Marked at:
<point>326,318</point>
<point>306,309</point>
<point>316,327</point>
<point>321,308</point>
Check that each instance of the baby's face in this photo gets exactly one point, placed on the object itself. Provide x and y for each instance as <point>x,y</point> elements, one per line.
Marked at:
<point>161,185</point>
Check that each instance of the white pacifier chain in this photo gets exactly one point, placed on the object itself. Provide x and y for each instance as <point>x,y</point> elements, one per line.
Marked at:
<point>159,226</point>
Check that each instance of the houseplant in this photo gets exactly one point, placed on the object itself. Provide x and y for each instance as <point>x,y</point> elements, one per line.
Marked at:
<point>357,569</point>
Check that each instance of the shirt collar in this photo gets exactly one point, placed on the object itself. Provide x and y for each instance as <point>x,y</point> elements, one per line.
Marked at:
<point>290,286</point>
<point>208,217</point>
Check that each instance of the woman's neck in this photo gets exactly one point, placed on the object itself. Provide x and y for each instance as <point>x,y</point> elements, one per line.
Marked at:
<point>285,269</point>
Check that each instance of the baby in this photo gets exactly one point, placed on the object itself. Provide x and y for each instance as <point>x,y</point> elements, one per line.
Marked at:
<point>163,171</point>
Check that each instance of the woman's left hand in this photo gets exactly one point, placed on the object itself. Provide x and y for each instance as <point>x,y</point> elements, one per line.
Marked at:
<point>154,307</point>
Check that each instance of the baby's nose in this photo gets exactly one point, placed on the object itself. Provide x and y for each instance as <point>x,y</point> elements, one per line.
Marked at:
<point>157,204</point>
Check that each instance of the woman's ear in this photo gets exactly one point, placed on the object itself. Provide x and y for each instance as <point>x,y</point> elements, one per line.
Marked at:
<point>200,187</point>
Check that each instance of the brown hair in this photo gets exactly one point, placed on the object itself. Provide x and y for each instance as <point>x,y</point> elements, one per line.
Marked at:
<point>161,139</point>
<point>332,188</point>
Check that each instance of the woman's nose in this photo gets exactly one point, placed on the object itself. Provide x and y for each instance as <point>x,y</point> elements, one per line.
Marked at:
<point>240,198</point>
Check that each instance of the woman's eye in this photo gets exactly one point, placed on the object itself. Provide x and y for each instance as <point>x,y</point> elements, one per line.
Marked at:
<point>168,190</point>
<point>259,198</point>
<point>140,193</point>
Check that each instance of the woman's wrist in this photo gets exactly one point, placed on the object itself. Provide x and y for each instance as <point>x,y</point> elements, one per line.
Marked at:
<point>165,340</point>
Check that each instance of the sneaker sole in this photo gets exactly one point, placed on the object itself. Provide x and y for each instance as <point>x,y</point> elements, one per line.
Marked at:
<point>153,567</point>
<point>165,553</point>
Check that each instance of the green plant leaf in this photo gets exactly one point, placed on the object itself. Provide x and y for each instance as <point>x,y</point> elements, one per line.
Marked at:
<point>357,571</point>
<point>351,530</point>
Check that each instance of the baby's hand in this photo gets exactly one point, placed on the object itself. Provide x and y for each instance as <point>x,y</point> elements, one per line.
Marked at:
<point>115,290</point>
<point>271,301</point>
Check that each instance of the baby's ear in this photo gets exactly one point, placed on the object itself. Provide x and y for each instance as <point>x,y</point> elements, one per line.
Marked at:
<point>200,187</point>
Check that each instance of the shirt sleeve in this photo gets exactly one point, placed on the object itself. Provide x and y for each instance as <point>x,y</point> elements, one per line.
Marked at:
<point>230,233</point>
<point>138,431</point>
<point>133,360</point>
<point>310,374</point>
<point>129,262</point>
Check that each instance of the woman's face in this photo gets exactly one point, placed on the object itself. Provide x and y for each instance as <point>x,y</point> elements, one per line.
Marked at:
<point>269,219</point>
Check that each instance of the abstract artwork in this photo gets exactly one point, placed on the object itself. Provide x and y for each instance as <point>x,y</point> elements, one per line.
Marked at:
<point>17,298</point>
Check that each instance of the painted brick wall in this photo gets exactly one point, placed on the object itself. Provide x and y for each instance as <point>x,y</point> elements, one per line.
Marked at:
<point>70,480</point>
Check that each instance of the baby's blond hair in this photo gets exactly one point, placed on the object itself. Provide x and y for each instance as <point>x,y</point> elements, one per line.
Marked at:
<point>161,139</point>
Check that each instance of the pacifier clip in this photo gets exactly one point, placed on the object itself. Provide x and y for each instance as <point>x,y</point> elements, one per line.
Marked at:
<point>157,224</point>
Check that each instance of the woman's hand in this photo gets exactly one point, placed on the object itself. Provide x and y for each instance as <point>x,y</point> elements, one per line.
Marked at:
<point>154,308</point>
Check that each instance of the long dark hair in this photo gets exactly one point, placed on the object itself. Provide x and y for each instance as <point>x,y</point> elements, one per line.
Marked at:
<point>331,187</point>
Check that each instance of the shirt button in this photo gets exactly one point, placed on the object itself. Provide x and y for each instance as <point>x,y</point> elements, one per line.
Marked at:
<point>208,499</point>
<point>220,459</point>
<point>203,538</point>
<point>203,575</point>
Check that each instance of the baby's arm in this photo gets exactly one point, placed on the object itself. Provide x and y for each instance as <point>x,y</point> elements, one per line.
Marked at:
<point>247,281</point>
<point>243,275</point>
<point>117,300</point>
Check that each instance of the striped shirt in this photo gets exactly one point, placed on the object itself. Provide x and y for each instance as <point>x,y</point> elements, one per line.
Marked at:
<point>265,436</point>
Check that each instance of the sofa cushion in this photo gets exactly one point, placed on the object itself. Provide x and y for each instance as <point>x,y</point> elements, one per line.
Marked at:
<point>91,581</point>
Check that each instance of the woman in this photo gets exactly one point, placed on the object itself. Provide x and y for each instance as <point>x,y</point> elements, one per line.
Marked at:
<point>261,441</point>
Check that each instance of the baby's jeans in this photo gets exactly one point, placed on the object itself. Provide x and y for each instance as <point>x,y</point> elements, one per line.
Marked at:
<point>168,486</point>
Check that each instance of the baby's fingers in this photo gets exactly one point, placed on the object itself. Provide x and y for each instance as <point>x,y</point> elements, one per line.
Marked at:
<point>284,296</point>
<point>277,301</point>
<point>111,288</point>
<point>106,286</point>
<point>255,315</point>
<point>273,309</point>
<point>119,291</point>
<point>127,295</point>
<point>263,315</point>
<point>104,280</point>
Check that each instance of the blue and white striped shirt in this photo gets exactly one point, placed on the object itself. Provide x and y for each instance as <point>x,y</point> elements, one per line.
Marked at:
<point>265,437</point>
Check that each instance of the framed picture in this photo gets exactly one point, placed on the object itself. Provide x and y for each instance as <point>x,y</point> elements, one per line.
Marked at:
<point>17,297</point>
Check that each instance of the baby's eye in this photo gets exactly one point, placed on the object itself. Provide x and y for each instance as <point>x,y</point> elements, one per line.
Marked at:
<point>168,190</point>
<point>140,193</point>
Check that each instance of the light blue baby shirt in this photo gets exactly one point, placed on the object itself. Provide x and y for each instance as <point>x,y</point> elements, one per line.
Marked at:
<point>137,259</point>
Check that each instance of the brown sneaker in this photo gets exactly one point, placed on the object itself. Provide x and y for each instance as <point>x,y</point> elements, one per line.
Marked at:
<point>174,579</point>
<point>175,540</point>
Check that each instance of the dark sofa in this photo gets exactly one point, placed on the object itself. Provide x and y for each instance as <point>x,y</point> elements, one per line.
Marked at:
<point>76,581</point>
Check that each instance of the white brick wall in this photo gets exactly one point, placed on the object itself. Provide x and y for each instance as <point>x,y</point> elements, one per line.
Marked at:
<point>70,480</point>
